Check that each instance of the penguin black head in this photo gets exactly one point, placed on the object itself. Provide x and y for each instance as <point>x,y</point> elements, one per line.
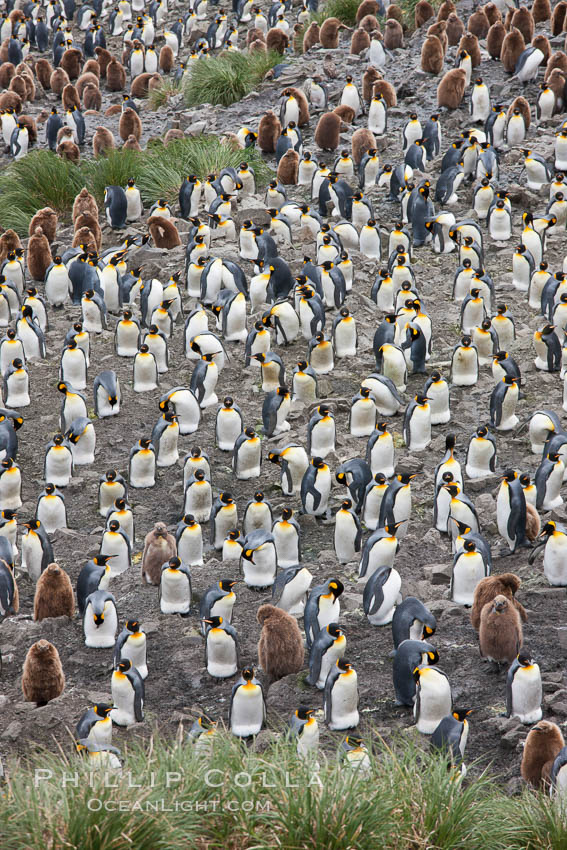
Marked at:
<point>189,520</point>
<point>200,475</point>
<point>525,479</point>
<point>27,311</point>
<point>282,390</point>
<point>58,439</point>
<point>124,665</point>
<point>174,563</point>
<point>548,529</point>
<point>553,457</point>
<point>318,462</point>
<point>380,478</point>
<point>344,666</point>
<point>447,477</point>
<point>364,392</point>
<point>249,431</point>
<point>469,546</point>
<point>226,498</point>
<point>465,341</point>
<point>304,713</point>
<point>248,674</point>
<point>335,630</point>
<point>145,442</point>
<point>461,713</point>
<point>114,525</point>
<point>336,587</point>
<point>406,477</point>
<point>452,489</point>
<point>214,622</point>
<point>524,658</point>
<point>227,584</point>
<point>233,534</point>
<point>102,709</point>
<point>287,514</point>
<point>132,626</point>
<point>49,489</point>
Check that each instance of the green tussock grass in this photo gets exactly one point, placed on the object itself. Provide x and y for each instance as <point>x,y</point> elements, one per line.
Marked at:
<point>344,10</point>
<point>227,78</point>
<point>43,179</point>
<point>237,797</point>
<point>159,96</point>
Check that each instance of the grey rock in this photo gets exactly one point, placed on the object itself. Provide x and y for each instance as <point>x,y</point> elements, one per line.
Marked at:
<point>439,573</point>
<point>12,731</point>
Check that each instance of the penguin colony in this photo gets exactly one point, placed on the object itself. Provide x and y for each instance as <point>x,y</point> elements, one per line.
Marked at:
<point>242,297</point>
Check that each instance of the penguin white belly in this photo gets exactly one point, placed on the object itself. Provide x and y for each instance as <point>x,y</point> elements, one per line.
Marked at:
<point>126,521</point>
<point>198,501</point>
<point>58,466</point>
<point>29,340</point>
<point>391,594</point>
<point>294,595</point>
<point>402,510</point>
<point>104,408</point>
<point>509,420</point>
<point>540,425</point>
<point>345,534</point>
<point>209,383</point>
<point>103,636</point>
<point>229,428</point>
<point>135,649</point>
<point>73,408</point>
<point>323,437</point>
<point>32,554</point>
<point>478,459</point>
<point>101,732</point>
<point>223,608</point>
<point>187,411</point>
<point>73,369</point>
<point>555,560</point>
<point>57,287</point>
<point>231,550</point>
<point>221,654</point>
<point>553,498</point>
<point>308,741</point>
<point>225,520</point>
<point>323,485</point>
<point>465,368</point>
<point>420,428</point>
<point>321,358</point>
<point>382,456</point>
<point>168,453</point>
<point>51,513</point>
<point>236,321</point>
<point>17,394</point>
<point>394,367</point>
<point>262,572</point>
<point>363,417</point>
<point>467,573</point>
<point>114,544</point>
<point>123,697</point>
<point>287,544</point>
<point>439,404</point>
<point>527,694</point>
<point>247,711</point>
<point>281,423</point>
<point>560,787</point>
<point>344,702</point>
<point>434,700</point>
<point>175,592</point>
<point>91,317</point>
<point>143,469</point>
<point>329,659</point>
<point>382,554</point>
<point>329,611</point>
<point>10,489</point>
<point>83,450</point>
<point>249,460</point>
<point>190,548</point>
<point>127,340</point>
<point>443,501</point>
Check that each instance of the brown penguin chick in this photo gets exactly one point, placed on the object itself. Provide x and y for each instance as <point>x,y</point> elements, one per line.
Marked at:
<point>495,39</point>
<point>395,13</point>
<point>455,29</point>
<point>29,87</point>
<point>104,58</point>
<point>451,89</point>
<point>423,12</point>
<point>345,113</point>
<point>31,126</point>
<point>116,76</point>
<point>311,36</point>
<point>506,584</point>
<point>523,20</point>
<point>258,46</point>
<point>439,29</point>
<point>58,80</point>
<point>17,16</point>
<point>71,62</point>
<point>64,133</point>
<point>469,42</point>
<point>362,140</point>
<point>370,76</point>
<point>360,41</point>
<point>84,203</point>
<point>86,219</point>
<point>288,168</point>
<point>500,631</point>
<point>38,257</point>
<point>367,7</point>
<point>132,144</point>
<point>9,241</point>
<point>175,133</point>
<point>91,66</point>
<point>492,12</point>
<point>18,85</point>
<point>393,34</point>
<point>541,748</point>
<point>130,125</point>
<point>140,84</point>
<point>54,595</point>
<point>43,678</point>
<point>70,97</point>
<point>103,141</point>
<point>85,237</point>
<point>478,24</point>
<point>533,522</point>
<point>67,149</point>
<point>445,10</point>
<point>254,34</point>
<point>114,109</point>
<point>92,97</point>
<point>329,33</point>
<point>7,71</point>
<point>387,91</point>
<point>280,648</point>
<point>10,100</point>
<point>522,104</point>
<point>558,18</point>
<point>512,47</point>
<point>45,218</point>
<point>327,131</point>
<point>277,40</point>
<point>370,24</point>
<point>303,103</point>
<point>159,547</point>
<point>43,72</point>
<point>269,130</point>
<point>166,59</point>
<point>542,43</point>
<point>87,78</point>
<point>556,82</point>
<point>164,233</point>
<point>432,57</point>
<point>559,61</point>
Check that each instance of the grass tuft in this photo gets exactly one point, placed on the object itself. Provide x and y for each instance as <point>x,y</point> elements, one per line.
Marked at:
<point>159,96</point>
<point>344,10</point>
<point>227,78</point>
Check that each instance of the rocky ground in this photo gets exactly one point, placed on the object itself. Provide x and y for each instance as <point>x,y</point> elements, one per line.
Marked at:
<point>178,687</point>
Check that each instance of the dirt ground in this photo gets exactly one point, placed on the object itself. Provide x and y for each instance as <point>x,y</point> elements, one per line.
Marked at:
<point>178,686</point>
